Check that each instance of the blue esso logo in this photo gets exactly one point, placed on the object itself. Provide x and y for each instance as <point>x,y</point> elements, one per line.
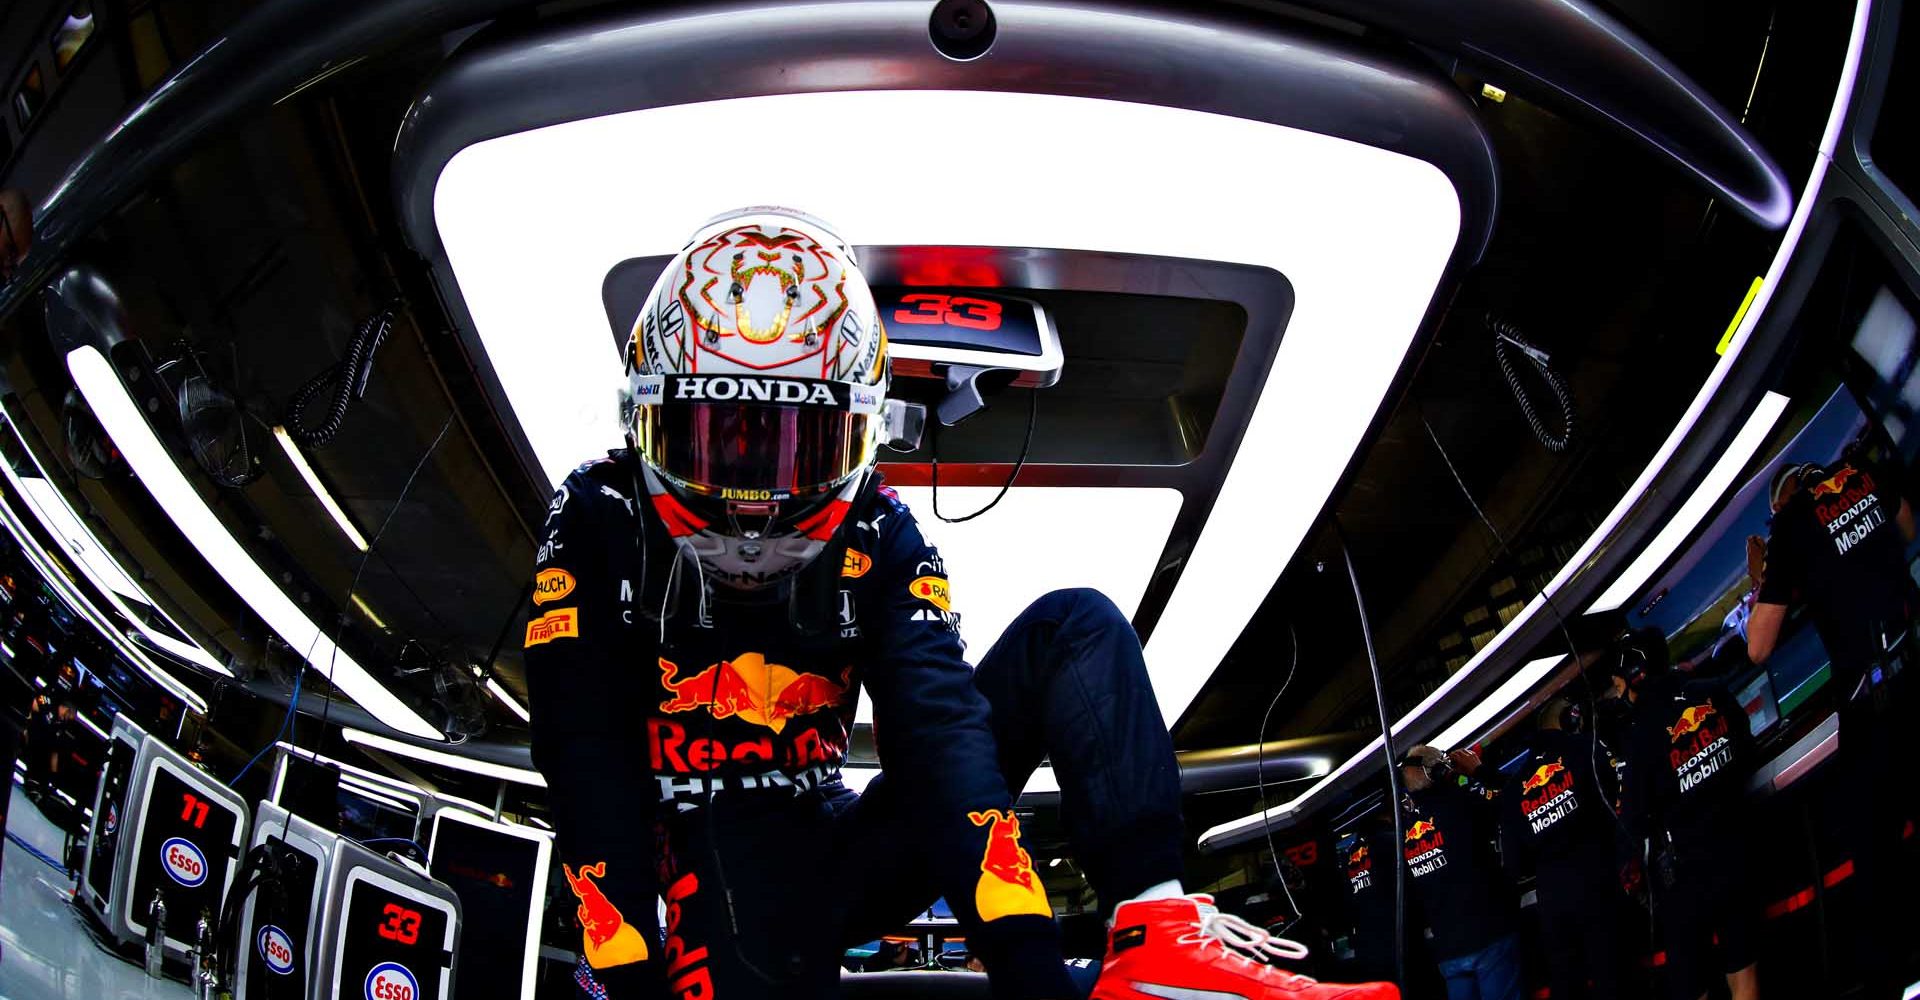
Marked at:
<point>276,948</point>
<point>392,981</point>
<point>184,862</point>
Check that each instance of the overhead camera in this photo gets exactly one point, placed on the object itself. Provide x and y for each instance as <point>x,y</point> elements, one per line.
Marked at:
<point>962,29</point>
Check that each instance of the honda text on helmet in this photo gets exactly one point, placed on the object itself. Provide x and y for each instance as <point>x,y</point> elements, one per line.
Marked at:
<point>756,374</point>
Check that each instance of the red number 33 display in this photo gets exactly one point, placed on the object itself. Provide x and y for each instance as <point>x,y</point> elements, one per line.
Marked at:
<point>403,925</point>
<point>930,309</point>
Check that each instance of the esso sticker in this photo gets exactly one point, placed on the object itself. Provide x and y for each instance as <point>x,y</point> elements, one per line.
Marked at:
<point>184,862</point>
<point>276,948</point>
<point>392,981</point>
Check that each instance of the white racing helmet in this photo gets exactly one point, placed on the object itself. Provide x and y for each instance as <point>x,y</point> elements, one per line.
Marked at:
<point>757,383</point>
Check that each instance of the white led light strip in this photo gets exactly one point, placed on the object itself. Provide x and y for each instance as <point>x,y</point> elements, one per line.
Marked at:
<point>1698,505</point>
<point>1362,234</point>
<point>454,761</point>
<point>1681,431</point>
<point>117,412</point>
<point>84,550</point>
<point>57,579</point>
<point>508,700</point>
<point>319,489</point>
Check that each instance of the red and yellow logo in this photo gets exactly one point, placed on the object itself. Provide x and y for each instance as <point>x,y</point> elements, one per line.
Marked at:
<point>934,590</point>
<point>1420,829</point>
<point>551,585</point>
<point>749,688</point>
<point>560,623</point>
<point>1693,718</point>
<point>607,937</point>
<point>1008,884</point>
<point>1835,484</point>
<point>1541,775</point>
<point>856,564</point>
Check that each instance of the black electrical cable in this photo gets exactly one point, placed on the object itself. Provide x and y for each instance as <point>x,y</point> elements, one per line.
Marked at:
<point>1566,634</point>
<point>227,922</point>
<point>348,376</point>
<point>1393,770</point>
<point>1506,334</point>
<point>1033,412</point>
<point>1260,774</point>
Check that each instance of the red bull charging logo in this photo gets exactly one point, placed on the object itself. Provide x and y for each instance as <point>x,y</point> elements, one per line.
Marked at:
<point>609,940</point>
<point>1835,484</point>
<point>1008,884</point>
<point>1541,776</point>
<point>750,689</point>
<point>1690,720</point>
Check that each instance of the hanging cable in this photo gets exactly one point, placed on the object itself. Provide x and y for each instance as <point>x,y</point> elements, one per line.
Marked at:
<point>1033,411</point>
<point>1566,634</point>
<point>1260,777</point>
<point>348,377</point>
<point>1506,336</point>
<point>1393,770</point>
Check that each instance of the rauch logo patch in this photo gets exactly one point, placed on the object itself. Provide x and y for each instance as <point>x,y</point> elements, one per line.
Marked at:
<point>184,862</point>
<point>276,949</point>
<point>392,981</point>
<point>551,585</point>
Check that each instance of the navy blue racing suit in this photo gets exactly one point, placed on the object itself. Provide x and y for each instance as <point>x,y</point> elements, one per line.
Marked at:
<point>693,752</point>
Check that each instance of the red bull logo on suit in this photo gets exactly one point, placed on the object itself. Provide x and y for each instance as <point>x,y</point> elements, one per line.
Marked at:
<point>752,690</point>
<point>1008,884</point>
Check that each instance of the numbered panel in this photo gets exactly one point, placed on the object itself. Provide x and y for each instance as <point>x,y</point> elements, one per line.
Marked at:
<point>394,941</point>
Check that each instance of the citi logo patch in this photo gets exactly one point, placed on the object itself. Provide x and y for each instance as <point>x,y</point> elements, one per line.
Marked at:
<point>750,389</point>
<point>184,862</point>
<point>276,949</point>
<point>392,981</point>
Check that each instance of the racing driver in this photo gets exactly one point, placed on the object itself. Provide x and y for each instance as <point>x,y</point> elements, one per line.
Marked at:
<point>709,601</point>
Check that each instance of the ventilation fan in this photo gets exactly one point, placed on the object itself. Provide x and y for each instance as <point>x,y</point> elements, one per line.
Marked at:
<point>212,422</point>
<point>460,703</point>
<point>89,450</point>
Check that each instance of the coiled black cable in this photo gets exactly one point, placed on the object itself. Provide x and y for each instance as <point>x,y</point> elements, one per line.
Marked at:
<point>348,377</point>
<point>1506,336</point>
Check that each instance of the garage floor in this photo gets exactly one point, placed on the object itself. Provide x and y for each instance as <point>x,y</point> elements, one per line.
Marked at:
<point>44,952</point>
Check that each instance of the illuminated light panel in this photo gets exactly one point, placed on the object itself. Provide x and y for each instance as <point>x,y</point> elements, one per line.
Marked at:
<point>1789,242</point>
<point>57,579</point>
<point>117,412</point>
<point>453,761</point>
<point>1363,235</point>
<point>320,491</point>
<point>1701,503</point>
<point>508,700</point>
<point>1511,692</point>
<point>84,551</point>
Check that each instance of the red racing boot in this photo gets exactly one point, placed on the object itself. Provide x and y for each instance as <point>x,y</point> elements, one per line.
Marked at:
<point>1185,949</point>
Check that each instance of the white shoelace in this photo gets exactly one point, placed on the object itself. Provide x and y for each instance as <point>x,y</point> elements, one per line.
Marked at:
<point>1237,937</point>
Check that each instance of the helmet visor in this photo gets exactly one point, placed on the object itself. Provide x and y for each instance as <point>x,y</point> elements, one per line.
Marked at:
<point>722,447</point>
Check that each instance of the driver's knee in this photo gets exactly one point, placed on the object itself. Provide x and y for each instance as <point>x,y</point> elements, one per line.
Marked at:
<point>1081,610</point>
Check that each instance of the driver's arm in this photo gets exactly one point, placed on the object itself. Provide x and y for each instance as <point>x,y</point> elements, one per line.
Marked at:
<point>583,710</point>
<point>935,738</point>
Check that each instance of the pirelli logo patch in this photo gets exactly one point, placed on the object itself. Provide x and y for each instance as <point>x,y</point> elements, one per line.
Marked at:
<point>551,585</point>
<point>560,623</point>
<point>933,590</point>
